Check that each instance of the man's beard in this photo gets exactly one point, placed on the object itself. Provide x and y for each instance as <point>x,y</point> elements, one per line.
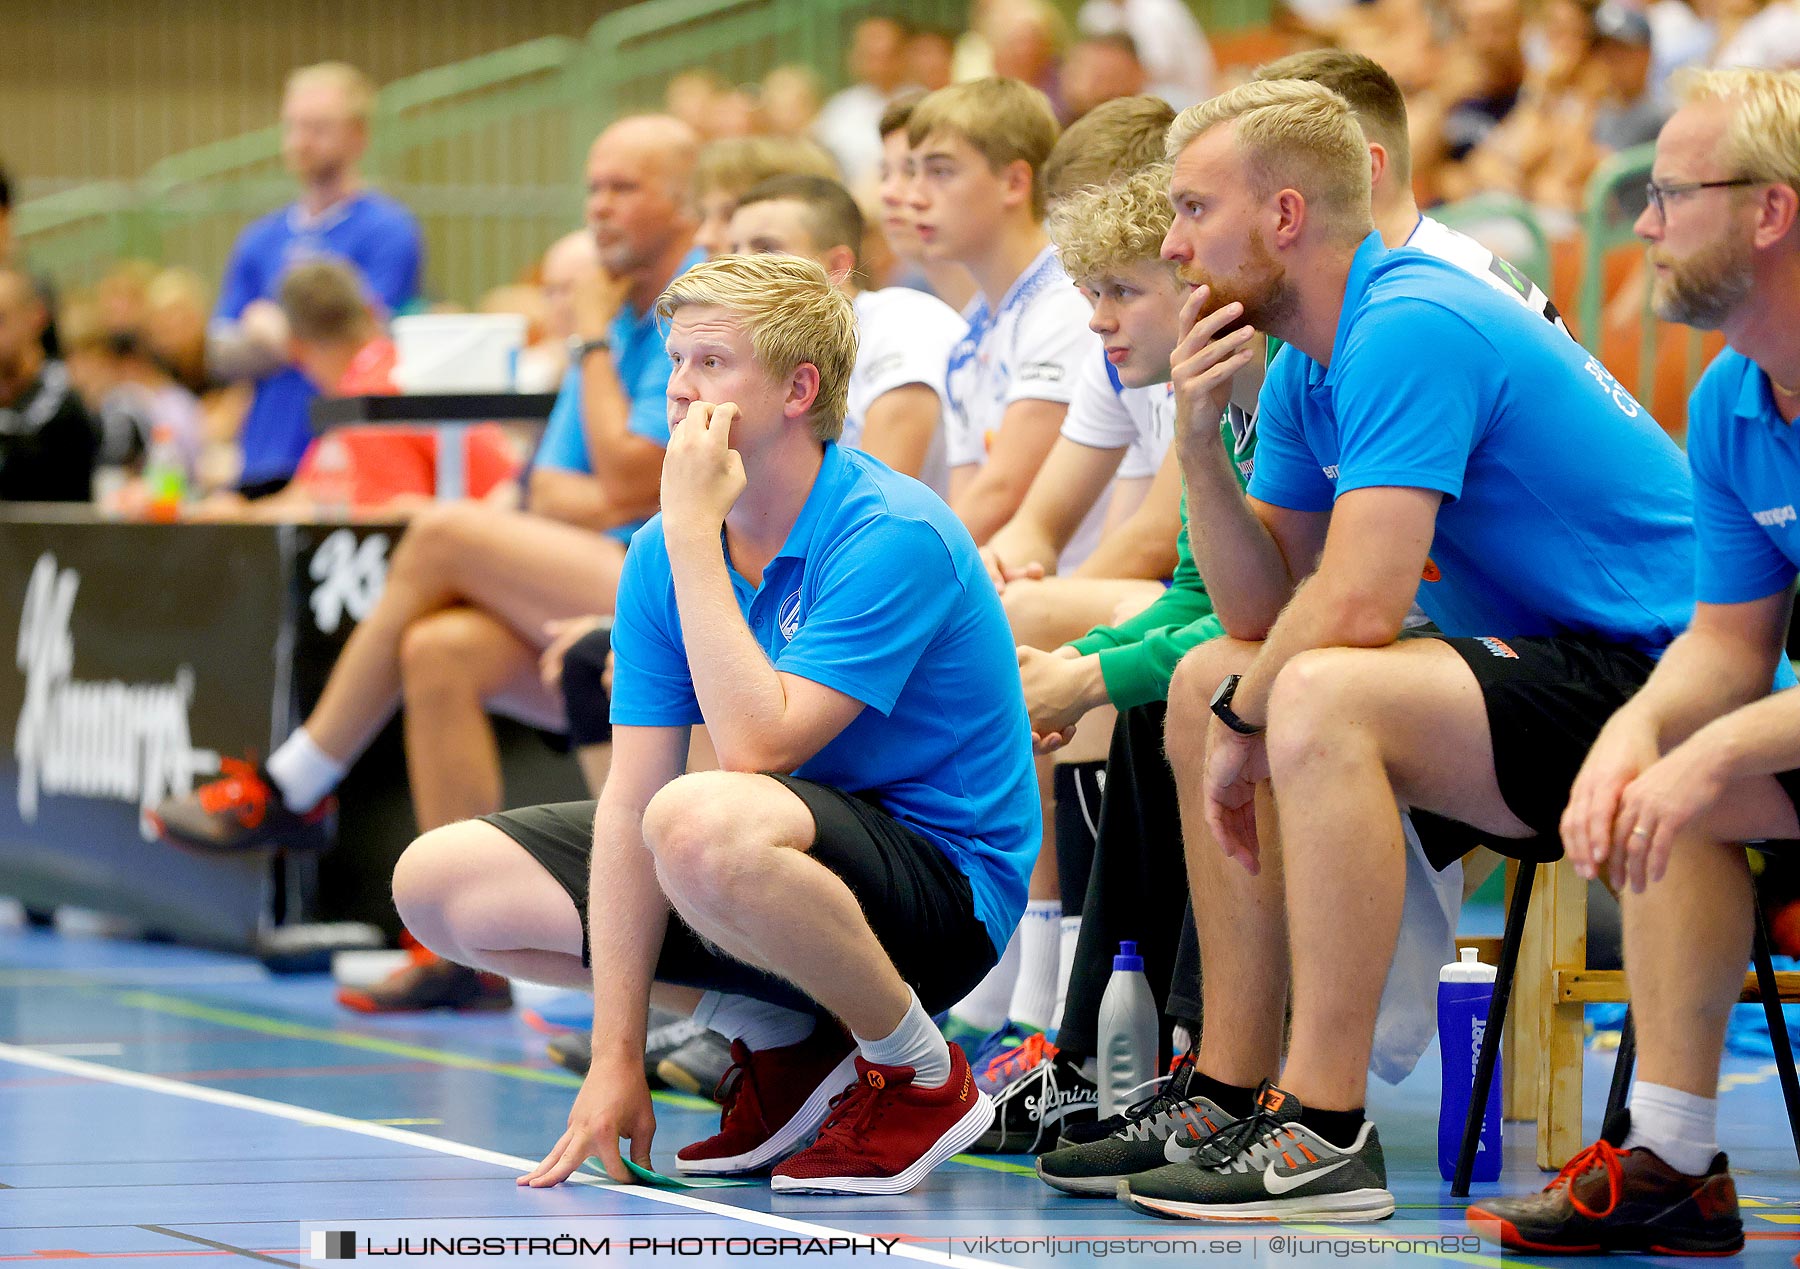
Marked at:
<point>1261,286</point>
<point>1706,288</point>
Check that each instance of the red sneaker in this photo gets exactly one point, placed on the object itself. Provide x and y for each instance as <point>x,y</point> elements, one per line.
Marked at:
<point>773,1102</point>
<point>885,1134</point>
<point>427,981</point>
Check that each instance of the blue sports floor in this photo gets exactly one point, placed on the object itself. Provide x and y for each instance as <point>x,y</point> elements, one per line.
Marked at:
<point>171,1107</point>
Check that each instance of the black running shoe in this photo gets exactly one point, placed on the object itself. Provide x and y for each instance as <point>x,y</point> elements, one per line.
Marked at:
<point>668,1031</point>
<point>697,1064</point>
<point>242,810</point>
<point>1137,1143</point>
<point>1269,1167</point>
<point>573,1051</point>
<point>1609,1199</point>
<point>1029,1112</point>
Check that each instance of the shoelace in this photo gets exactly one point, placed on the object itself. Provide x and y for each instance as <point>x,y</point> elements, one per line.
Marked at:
<point>1604,1155</point>
<point>239,790</point>
<point>1019,1059</point>
<point>731,1084</point>
<point>1223,1147</point>
<point>862,1100</point>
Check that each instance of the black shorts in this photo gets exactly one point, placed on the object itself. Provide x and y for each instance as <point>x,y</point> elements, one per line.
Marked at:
<point>1547,699</point>
<point>918,904</point>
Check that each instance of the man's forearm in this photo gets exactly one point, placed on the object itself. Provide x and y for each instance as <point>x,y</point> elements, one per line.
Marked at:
<point>625,933</point>
<point>1701,677</point>
<point>605,409</point>
<point>1758,739</point>
<point>1245,572</point>
<point>232,354</point>
<point>987,505</point>
<point>1319,616</point>
<point>740,693</point>
<point>1137,549</point>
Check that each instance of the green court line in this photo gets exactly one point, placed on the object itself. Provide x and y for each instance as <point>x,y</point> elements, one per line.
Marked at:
<point>265,1025</point>
<point>993,1165</point>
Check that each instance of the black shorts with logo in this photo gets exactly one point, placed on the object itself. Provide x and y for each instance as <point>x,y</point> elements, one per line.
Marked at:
<point>1547,699</point>
<point>918,904</point>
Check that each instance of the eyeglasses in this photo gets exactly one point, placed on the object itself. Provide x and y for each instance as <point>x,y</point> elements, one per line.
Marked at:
<point>1657,192</point>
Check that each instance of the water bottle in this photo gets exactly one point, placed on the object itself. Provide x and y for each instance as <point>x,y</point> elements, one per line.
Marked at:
<point>332,482</point>
<point>1465,990</point>
<point>1128,1033</point>
<point>165,474</point>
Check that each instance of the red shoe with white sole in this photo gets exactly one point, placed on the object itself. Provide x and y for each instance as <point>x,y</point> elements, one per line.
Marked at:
<point>774,1101</point>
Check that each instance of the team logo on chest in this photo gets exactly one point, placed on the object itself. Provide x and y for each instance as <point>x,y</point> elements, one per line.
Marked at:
<point>787,617</point>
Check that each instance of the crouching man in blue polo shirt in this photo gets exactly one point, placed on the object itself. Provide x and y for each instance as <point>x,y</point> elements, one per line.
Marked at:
<point>1704,757</point>
<point>865,848</point>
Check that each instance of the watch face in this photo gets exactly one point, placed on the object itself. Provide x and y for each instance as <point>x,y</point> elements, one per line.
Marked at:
<point>1221,697</point>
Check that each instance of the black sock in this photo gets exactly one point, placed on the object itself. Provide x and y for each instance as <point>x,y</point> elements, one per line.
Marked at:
<point>1339,1127</point>
<point>1233,1099</point>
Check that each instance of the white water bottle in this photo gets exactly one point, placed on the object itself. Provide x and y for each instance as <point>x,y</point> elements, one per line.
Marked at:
<point>1128,1033</point>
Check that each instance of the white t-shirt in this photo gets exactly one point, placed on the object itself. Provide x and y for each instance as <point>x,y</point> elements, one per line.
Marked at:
<point>1028,349</point>
<point>1104,415</point>
<point>904,337</point>
<point>1770,40</point>
<point>1435,238</point>
<point>1170,44</point>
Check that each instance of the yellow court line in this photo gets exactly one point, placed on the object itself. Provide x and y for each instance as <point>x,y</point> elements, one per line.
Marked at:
<point>264,1025</point>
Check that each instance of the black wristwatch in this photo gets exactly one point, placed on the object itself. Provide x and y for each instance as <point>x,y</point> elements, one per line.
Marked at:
<point>579,348</point>
<point>1221,707</point>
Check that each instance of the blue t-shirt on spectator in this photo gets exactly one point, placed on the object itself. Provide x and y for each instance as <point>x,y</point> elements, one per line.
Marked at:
<point>642,363</point>
<point>878,593</point>
<point>1566,510</point>
<point>1746,460</point>
<point>369,231</point>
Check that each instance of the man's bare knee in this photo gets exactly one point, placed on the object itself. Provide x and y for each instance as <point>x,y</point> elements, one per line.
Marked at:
<point>706,831</point>
<point>437,538</point>
<point>1197,677</point>
<point>1313,703</point>
<point>1029,612</point>
<point>426,879</point>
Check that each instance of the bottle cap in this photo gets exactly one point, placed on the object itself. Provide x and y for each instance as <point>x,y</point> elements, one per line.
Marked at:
<point>1128,959</point>
<point>1470,955</point>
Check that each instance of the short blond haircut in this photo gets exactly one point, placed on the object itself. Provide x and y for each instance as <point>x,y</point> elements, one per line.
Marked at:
<point>733,165</point>
<point>358,88</point>
<point>1293,134</point>
<point>1762,141</point>
<point>1003,120</point>
<point>793,315</point>
<point>325,303</point>
<point>1117,136</point>
<point>1101,229</point>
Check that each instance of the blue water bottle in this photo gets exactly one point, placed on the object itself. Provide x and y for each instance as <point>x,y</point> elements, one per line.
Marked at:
<point>1465,990</point>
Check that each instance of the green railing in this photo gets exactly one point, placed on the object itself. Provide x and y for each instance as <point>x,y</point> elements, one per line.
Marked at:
<point>487,152</point>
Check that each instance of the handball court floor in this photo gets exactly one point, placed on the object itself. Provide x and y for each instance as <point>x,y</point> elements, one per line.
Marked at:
<point>171,1107</point>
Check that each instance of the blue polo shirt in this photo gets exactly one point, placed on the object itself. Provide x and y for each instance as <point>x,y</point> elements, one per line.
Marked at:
<point>642,363</point>
<point>1566,510</point>
<point>1746,460</point>
<point>879,593</point>
<point>369,231</point>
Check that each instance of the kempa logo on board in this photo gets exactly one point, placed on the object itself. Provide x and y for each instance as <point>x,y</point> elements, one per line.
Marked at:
<point>127,742</point>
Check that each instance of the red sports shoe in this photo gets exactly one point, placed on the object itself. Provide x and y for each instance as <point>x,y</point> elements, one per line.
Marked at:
<point>885,1134</point>
<point>773,1102</point>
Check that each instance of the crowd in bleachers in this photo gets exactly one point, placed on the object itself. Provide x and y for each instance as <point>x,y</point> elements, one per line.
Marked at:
<point>995,268</point>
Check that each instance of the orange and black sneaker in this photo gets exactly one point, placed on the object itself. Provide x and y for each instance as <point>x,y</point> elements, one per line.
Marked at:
<point>428,981</point>
<point>242,810</point>
<point>1610,1199</point>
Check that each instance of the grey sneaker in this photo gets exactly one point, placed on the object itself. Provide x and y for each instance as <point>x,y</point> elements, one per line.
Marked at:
<point>698,1065</point>
<point>1268,1167</point>
<point>1094,1169</point>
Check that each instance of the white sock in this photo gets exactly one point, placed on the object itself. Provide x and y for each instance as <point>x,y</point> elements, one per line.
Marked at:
<point>304,773</point>
<point>760,1025</point>
<point>917,1043</point>
<point>1681,1128</point>
<point>985,1008</point>
<point>1034,994</point>
<point>1068,936</point>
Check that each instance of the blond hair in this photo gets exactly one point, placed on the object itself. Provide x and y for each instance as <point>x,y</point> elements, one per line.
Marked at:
<point>1292,134</point>
<point>358,89</point>
<point>1116,136</point>
<point>1100,229</point>
<point>1003,120</point>
<point>1763,138</point>
<point>325,304</point>
<point>733,165</point>
<point>793,315</point>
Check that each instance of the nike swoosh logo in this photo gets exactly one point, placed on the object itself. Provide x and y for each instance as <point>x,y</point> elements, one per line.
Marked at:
<point>1175,1152</point>
<point>1278,1184</point>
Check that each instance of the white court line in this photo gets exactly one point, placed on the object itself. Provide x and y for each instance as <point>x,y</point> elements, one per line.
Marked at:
<point>322,1119</point>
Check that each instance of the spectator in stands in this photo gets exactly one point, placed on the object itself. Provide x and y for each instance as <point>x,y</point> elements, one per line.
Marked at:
<point>1176,56</point>
<point>10,254</point>
<point>325,116</point>
<point>1027,39</point>
<point>47,441</point>
<point>1328,708</point>
<point>390,472</point>
<point>568,265</point>
<point>824,926</point>
<point>1763,34</point>
<point>729,167</point>
<point>471,589</point>
<point>693,97</point>
<point>1100,68</point>
<point>1702,759</point>
<point>1481,70</point>
<point>978,201</point>
<point>789,101</point>
<point>133,399</point>
<point>846,125</point>
<point>946,279</point>
<point>929,55</point>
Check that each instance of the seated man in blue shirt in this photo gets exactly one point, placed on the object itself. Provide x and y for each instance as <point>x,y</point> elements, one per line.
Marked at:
<point>472,587</point>
<point>1703,758</point>
<point>830,622</point>
<point>1419,424</point>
